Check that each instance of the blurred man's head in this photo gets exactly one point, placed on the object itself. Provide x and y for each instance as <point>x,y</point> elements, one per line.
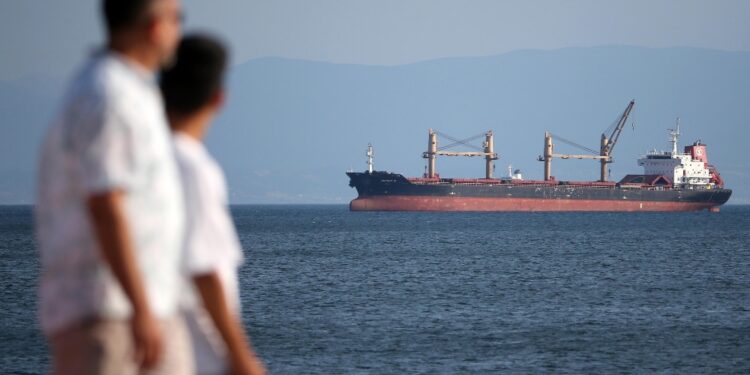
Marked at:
<point>151,26</point>
<point>193,85</point>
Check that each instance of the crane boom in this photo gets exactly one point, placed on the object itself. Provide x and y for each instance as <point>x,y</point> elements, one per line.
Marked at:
<point>605,150</point>
<point>608,144</point>
<point>618,129</point>
<point>487,151</point>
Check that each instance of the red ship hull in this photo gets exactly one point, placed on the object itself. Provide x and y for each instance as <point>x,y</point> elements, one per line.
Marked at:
<point>434,203</point>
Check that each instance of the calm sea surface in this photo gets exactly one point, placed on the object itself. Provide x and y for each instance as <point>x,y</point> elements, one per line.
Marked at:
<point>327,291</point>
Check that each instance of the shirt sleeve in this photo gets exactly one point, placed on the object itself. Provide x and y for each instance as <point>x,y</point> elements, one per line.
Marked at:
<point>105,138</point>
<point>203,236</point>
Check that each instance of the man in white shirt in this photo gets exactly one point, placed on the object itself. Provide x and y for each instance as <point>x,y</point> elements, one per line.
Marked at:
<point>193,94</point>
<point>110,210</point>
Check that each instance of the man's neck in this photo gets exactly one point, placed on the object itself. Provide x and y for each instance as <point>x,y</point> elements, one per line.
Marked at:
<point>137,55</point>
<point>194,126</point>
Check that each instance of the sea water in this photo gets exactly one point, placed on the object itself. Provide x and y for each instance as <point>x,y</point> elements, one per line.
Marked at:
<point>328,291</point>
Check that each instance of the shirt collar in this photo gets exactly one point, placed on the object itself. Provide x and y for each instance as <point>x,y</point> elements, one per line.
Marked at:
<point>189,142</point>
<point>139,71</point>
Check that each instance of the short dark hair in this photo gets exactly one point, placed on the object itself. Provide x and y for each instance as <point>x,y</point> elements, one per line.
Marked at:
<point>196,75</point>
<point>121,14</point>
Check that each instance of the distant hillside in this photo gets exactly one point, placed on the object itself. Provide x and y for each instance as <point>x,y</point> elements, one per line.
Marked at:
<point>26,107</point>
<point>292,128</point>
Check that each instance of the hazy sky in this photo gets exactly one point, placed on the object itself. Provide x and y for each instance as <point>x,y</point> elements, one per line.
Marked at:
<point>49,38</point>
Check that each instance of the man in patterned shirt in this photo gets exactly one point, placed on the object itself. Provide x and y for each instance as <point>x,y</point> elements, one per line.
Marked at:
<point>109,209</point>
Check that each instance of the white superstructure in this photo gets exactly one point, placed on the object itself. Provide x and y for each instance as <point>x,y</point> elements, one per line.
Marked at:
<point>513,174</point>
<point>688,169</point>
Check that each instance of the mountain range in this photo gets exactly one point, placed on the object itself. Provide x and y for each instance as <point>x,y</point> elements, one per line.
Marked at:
<point>291,128</point>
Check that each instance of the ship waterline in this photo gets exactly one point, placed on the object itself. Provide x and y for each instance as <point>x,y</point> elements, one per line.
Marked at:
<point>474,204</point>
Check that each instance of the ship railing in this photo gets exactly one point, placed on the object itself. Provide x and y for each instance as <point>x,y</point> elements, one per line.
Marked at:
<point>602,184</point>
<point>542,183</point>
<point>646,187</point>
<point>480,181</point>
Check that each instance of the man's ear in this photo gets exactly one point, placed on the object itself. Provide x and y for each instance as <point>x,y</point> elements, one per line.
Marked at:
<point>218,99</point>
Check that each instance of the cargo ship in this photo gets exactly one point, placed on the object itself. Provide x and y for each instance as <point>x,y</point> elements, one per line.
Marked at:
<point>671,181</point>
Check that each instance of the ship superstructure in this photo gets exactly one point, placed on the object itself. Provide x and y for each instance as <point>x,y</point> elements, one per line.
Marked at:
<point>688,170</point>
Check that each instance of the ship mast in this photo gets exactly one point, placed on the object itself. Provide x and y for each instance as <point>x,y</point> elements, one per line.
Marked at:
<point>431,153</point>
<point>674,135</point>
<point>370,154</point>
<point>489,154</point>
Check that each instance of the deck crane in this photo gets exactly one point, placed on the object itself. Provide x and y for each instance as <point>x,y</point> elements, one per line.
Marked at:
<point>487,151</point>
<point>608,144</point>
<point>605,151</point>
